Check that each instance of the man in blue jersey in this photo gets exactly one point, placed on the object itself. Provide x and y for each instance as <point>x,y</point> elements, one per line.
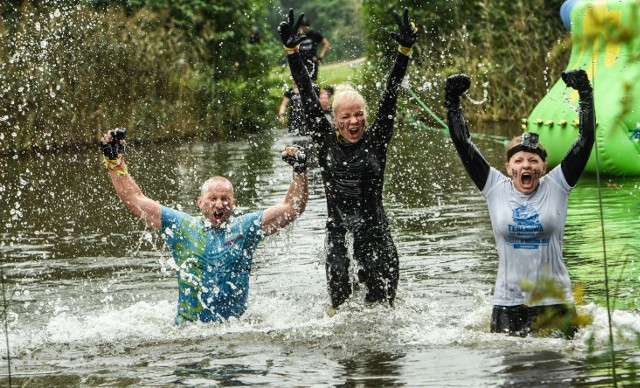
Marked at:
<point>213,252</point>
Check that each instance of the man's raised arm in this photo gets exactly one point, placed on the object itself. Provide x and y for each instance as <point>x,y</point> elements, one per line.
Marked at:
<point>146,209</point>
<point>295,201</point>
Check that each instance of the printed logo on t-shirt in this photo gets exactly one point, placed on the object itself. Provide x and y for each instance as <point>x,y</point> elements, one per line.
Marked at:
<point>527,226</point>
<point>233,240</point>
<point>306,45</point>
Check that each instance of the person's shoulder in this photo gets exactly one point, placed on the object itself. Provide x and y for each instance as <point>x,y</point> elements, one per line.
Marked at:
<point>494,180</point>
<point>171,215</point>
<point>175,221</point>
<point>249,225</point>
<point>315,35</point>
<point>248,219</point>
<point>557,177</point>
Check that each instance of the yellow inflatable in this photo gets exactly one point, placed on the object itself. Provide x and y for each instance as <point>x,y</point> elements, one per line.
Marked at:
<point>606,44</point>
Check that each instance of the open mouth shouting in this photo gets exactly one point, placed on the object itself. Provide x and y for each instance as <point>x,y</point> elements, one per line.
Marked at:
<point>216,201</point>
<point>526,169</point>
<point>353,133</point>
<point>218,215</point>
<point>350,118</point>
<point>526,181</point>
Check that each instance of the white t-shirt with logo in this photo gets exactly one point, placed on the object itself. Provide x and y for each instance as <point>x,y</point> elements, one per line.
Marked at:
<point>529,230</point>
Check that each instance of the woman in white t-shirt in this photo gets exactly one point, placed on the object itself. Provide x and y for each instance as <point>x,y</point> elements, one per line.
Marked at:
<point>528,211</point>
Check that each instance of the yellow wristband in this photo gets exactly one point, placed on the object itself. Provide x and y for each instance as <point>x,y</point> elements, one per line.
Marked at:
<point>118,165</point>
<point>405,50</point>
<point>289,50</point>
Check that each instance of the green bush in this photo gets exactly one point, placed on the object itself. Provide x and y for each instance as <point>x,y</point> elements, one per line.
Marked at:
<point>70,71</point>
<point>504,46</point>
<point>172,68</point>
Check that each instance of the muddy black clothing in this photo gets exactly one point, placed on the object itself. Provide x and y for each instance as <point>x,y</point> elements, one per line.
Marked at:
<point>554,320</point>
<point>309,52</point>
<point>353,176</point>
<point>572,164</point>
<point>296,122</point>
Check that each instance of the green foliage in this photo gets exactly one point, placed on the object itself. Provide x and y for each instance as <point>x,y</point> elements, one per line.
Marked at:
<point>163,69</point>
<point>167,68</point>
<point>334,74</point>
<point>216,44</point>
<point>337,20</point>
<point>504,46</point>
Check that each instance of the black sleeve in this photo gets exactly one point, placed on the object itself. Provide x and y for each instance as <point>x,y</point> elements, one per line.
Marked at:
<point>476,165</point>
<point>577,157</point>
<point>387,106</point>
<point>316,120</point>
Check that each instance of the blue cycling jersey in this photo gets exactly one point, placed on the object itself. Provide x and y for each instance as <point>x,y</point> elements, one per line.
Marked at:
<point>213,263</point>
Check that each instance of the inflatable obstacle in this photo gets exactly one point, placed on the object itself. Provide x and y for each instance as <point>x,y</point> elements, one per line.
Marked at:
<point>605,39</point>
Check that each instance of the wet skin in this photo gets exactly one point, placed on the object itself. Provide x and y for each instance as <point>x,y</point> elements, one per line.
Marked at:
<point>526,169</point>
<point>350,120</point>
<point>216,202</point>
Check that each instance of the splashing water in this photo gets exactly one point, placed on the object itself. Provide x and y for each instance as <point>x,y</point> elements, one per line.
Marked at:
<point>485,95</point>
<point>111,301</point>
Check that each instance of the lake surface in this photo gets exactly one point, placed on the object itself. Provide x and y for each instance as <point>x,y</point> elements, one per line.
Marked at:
<point>91,292</point>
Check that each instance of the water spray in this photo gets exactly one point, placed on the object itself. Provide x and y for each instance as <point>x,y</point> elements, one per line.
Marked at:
<point>497,139</point>
<point>426,108</point>
<point>6,323</point>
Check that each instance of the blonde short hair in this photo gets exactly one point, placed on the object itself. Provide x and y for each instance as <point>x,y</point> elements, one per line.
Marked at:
<point>346,92</point>
<point>215,179</point>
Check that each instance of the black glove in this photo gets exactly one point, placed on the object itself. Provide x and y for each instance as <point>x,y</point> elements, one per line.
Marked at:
<point>577,79</point>
<point>455,87</point>
<point>297,161</point>
<point>289,31</point>
<point>112,149</point>
<point>408,30</point>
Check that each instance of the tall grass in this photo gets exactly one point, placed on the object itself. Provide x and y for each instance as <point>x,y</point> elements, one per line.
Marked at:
<point>73,72</point>
<point>69,72</point>
<point>513,51</point>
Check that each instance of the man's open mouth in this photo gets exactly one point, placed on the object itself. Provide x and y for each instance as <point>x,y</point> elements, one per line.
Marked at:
<point>218,215</point>
<point>526,178</point>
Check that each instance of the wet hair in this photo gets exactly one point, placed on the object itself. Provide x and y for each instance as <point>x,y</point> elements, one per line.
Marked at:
<point>346,92</point>
<point>214,179</point>
<point>515,146</point>
<point>305,22</point>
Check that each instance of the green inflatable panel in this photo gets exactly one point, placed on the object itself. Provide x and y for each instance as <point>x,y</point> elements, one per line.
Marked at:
<point>606,43</point>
